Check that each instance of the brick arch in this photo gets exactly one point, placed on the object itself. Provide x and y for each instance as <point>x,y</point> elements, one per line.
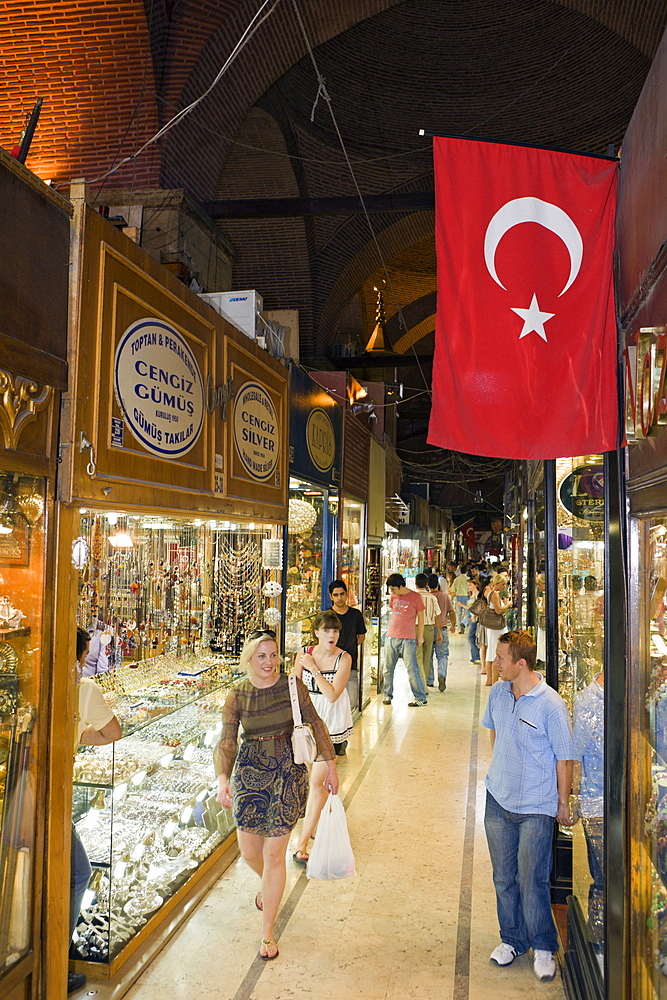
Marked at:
<point>169,51</point>
<point>69,55</point>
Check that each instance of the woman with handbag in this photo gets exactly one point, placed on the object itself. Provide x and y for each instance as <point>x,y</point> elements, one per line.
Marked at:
<point>324,669</point>
<point>260,779</point>
<point>494,622</point>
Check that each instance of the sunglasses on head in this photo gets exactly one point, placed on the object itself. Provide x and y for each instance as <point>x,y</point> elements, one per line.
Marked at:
<point>268,632</point>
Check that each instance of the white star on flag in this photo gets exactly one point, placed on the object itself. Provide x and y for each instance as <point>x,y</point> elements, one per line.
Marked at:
<point>533,319</point>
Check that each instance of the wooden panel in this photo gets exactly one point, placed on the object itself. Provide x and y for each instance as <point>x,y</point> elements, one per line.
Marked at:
<point>251,472</point>
<point>34,248</point>
<point>116,284</point>
<point>356,448</point>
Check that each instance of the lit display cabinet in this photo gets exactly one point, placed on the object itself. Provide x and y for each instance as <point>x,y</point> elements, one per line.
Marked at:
<point>168,602</point>
<point>580,514</point>
<point>648,765</point>
<point>22,558</point>
<point>145,807</point>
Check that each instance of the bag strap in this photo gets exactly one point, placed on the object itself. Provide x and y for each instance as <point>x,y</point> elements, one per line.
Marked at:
<point>296,711</point>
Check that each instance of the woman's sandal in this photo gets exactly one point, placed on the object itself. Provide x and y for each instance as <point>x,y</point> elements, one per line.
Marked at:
<point>265,944</point>
<point>303,860</point>
<point>258,901</point>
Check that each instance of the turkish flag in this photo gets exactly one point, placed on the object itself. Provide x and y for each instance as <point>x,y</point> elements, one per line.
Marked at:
<point>525,353</point>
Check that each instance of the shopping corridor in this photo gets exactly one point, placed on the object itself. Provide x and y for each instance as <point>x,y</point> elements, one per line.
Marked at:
<point>417,921</point>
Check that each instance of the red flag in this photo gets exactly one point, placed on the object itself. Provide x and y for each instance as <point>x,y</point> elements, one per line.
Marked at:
<point>467,529</point>
<point>525,354</point>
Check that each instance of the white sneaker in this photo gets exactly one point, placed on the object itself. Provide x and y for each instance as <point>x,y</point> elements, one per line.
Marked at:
<point>544,965</point>
<point>504,954</point>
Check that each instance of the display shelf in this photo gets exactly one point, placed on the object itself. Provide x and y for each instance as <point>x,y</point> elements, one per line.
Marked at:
<point>14,633</point>
<point>147,814</point>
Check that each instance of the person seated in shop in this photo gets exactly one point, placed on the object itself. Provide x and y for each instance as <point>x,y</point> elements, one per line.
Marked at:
<point>96,725</point>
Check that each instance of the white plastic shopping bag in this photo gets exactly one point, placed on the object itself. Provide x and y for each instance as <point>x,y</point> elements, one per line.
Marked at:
<point>331,855</point>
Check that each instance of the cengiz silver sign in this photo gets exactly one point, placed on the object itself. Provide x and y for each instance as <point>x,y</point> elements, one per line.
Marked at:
<point>159,388</point>
<point>256,431</point>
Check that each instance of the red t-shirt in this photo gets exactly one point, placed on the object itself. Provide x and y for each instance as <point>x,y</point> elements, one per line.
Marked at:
<point>403,618</point>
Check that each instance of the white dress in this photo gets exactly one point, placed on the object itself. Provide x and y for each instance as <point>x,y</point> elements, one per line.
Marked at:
<point>336,715</point>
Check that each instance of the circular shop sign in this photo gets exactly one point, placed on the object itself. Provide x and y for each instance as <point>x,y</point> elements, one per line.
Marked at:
<point>320,440</point>
<point>256,432</point>
<point>582,492</point>
<point>159,388</point>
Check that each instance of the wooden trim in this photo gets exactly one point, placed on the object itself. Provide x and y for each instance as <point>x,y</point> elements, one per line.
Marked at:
<point>107,971</point>
<point>17,974</point>
<point>60,723</point>
<point>24,359</point>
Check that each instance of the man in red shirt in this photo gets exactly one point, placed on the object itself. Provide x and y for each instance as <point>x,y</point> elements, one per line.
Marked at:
<point>405,633</point>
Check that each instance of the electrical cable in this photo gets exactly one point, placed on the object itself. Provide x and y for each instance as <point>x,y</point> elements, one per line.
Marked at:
<point>322,90</point>
<point>179,116</point>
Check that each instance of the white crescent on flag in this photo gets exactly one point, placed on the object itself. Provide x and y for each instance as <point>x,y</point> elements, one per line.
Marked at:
<point>544,214</point>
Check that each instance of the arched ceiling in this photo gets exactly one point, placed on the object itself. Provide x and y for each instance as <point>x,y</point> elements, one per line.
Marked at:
<point>556,72</point>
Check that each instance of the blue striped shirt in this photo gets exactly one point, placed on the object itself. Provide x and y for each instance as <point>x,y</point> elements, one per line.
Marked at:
<point>532,733</point>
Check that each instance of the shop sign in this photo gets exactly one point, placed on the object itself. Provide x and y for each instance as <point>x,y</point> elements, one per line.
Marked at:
<point>582,493</point>
<point>159,388</point>
<point>256,431</point>
<point>645,388</point>
<point>320,440</point>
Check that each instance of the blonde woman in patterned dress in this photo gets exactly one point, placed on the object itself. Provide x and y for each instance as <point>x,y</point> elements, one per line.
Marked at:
<point>259,779</point>
<point>325,670</point>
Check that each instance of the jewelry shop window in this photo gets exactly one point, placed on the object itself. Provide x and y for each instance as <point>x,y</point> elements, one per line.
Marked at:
<point>22,552</point>
<point>581,564</point>
<point>168,602</point>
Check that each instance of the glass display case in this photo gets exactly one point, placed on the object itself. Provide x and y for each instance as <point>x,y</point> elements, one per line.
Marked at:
<point>581,569</point>
<point>352,549</point>
<point>649,771</point>
<point>168,603</point>
<point>22,558</point>
<point>145,808</point>
<point>311,533</point>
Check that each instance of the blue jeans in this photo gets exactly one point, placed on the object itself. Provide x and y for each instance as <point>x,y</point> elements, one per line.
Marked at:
<point>442,655</point>
<point>521,849</point>
<point>462,612</point>
<point>80,872</point>
<point>472,641</point>
<point>405,649</point>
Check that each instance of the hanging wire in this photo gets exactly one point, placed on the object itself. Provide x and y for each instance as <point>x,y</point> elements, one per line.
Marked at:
<point>327,99</point>
<point>255,23</point>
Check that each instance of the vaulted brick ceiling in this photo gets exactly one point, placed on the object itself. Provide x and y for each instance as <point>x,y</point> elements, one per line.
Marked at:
<point>562,73</point>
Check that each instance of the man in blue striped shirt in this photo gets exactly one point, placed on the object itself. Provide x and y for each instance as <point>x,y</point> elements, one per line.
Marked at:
<point>528,785</point>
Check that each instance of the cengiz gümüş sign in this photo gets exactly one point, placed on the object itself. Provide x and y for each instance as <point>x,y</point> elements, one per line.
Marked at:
<point>159,388</point>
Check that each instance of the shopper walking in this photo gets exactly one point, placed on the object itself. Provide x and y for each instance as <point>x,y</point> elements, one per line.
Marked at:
<point>404,634</point>
<point>324,669</point>
<point>492,592</point>
<point>352,635</point>
<point>459,593</point>
<point>259,779</point>
<point>433,626</point>
<point>447,614</point>
<point>527,787</point>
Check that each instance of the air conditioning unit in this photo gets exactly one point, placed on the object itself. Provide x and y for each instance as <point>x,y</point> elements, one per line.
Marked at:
<point>242,309</point>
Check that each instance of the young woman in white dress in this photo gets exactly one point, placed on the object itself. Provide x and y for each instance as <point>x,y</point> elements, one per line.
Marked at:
<point>324,668</point>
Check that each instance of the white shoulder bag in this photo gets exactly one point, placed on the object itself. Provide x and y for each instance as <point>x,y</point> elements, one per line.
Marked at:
<point>304,746</point>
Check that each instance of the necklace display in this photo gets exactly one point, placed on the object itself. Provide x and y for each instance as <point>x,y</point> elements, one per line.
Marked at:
<point>171,603</point>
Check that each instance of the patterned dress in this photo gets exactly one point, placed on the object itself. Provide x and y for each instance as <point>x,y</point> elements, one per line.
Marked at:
<point>336,715</point>
<point>269,789</point>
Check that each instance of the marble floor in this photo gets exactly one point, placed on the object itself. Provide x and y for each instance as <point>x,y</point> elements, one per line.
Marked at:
<point>418,920</point>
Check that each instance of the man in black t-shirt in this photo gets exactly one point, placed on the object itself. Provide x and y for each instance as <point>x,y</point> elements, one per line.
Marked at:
<point>352,634</point>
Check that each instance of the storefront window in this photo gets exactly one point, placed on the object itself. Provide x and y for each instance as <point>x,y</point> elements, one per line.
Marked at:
<point>651,865</point>
<point>22,551</point>
<point>309,520</point>
<point>581,563</point>
<point>352,533</point>
<point>168,603</point>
